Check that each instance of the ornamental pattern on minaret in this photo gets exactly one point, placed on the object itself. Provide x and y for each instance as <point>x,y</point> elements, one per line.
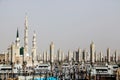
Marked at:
<point>26,36</point>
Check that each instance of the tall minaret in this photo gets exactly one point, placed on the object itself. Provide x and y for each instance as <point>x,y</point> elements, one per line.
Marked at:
<point>48,56</point>
<point>59,56</point>
<point>44,56</point>
<point>70,55</point>
<point>95,55</point>
<point>13,52</point>
<point>52,52</point>
<point>84,55</point>
<point>80,54</point>
<point>26,38</point>
<point>17,44</point>
<point>108,55</point>
<point>92,52</point>
<point>100,56</point>
<point>74,55</point>
<point>63,55</point>
<point>9,53</point>
<point>34,47</point>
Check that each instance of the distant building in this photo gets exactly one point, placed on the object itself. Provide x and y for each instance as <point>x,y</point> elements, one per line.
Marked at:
<point>2,58</point>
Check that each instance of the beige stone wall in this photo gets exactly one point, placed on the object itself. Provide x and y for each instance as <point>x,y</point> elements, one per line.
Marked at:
<point>2,58</point>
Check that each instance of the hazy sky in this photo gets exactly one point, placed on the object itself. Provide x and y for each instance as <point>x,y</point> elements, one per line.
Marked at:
<point>70,24</point>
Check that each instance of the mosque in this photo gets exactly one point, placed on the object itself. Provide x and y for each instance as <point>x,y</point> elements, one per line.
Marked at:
<point>17,54</point>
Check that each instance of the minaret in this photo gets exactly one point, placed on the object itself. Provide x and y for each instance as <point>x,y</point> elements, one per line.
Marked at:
<point>34,47</point>
<point>70,55</point>
<point>108,55</point>
<point>26,38</point>
<point>92,52</point>
<point>9,53</point>
<point>52,52</point>
<point>17,44</point>
<point>100,56</point>
<point>63,55</point>
<point>59,56</point>
<point>74,55</point>
<point>13,52</point>
<point>80,55</point>
<point>84,55</point>
<point>95,55</point>
<point>44,56</point>
<point>48,56</point>
<point>6,57</point>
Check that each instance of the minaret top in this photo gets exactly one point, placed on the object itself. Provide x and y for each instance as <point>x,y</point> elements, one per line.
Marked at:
<point>92,44</point>
<point>52,44</point>
<point>108,49</point>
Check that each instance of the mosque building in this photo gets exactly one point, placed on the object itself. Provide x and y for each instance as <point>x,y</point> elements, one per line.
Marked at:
<point>17,54</point>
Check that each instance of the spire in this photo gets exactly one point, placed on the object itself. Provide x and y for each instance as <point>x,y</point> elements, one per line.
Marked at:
<point>17,38</point>
<point>26,22</point>
<point>17,33</point>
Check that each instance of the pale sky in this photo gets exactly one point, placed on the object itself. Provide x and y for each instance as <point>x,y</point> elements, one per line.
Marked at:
<point>70,24</point>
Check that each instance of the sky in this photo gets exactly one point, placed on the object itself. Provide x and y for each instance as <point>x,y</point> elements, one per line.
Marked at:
<point>70,24</point>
